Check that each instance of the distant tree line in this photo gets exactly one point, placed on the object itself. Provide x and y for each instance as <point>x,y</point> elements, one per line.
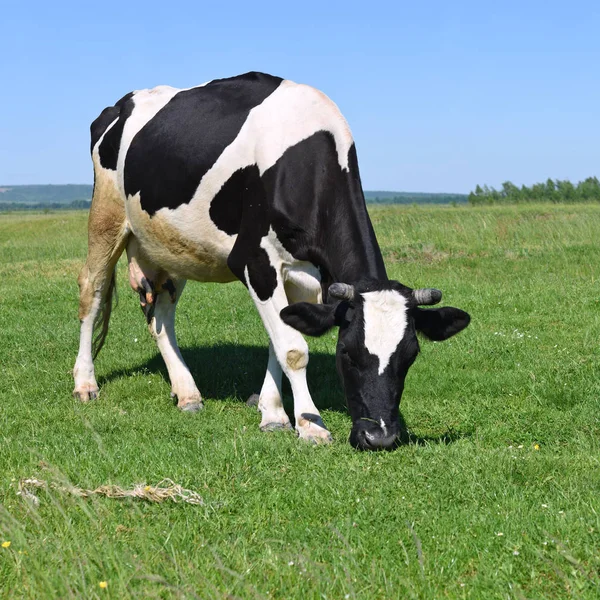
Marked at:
<point>44,206</point>
<point>558,191</point>
<point>46,194</point>
<point>414,198</point>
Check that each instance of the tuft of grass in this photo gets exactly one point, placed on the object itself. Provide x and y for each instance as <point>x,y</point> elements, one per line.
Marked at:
<point>495,496</point>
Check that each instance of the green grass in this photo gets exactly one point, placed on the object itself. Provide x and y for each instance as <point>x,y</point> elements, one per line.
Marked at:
<point>471,509</point>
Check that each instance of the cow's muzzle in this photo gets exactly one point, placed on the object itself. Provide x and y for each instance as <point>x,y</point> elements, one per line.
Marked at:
<point>368,435</point>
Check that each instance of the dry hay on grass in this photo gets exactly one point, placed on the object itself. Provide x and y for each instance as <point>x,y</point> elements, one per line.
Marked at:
<point>163,490</point>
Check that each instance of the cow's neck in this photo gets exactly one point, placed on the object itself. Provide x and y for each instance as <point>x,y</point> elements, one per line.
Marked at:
<point>347,248</point>
<point>326,221</point>
<point>353,252</point>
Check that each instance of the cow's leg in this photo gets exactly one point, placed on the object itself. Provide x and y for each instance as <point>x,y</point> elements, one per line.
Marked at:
<point>159,295</point>
<point>300,286</point>
<point>269,402</point>
<point>161,323</point>
<point>291,351</point>
<point>107,236</point>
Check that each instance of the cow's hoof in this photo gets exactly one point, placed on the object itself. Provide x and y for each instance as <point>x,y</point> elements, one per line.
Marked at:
<point>317,438</point>
<point>253,400</point>
<point>276,426</point>
<point>311,429</point>
<point>86,393</point>
<point>190,405</point>
<point>274,418</point>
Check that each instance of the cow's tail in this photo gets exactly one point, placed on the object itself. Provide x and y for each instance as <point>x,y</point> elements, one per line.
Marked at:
<point>103,317</point>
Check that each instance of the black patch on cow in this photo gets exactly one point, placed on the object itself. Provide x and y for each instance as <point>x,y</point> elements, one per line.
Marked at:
<point>110,145</point>
<point>262,275</point>
<point>169,156</point>
<point>319,212</point>
<point>240,189</point>
<point>253,224</point>
<point>98,127</point>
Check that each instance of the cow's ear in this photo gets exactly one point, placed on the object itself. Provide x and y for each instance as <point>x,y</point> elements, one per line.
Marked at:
<point>315,319</point>
<point>439,324</point>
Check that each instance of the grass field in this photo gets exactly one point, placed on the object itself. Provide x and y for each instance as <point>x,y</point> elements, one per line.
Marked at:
<point>497,496</point>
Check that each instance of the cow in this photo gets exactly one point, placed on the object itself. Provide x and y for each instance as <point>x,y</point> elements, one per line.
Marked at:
<point>252,178</point>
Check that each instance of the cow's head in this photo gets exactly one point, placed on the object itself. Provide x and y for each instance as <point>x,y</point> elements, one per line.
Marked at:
<point>377,343</point>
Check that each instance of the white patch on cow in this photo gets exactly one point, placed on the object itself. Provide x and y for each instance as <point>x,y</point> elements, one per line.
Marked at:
<point>293,113</point>
<point>385,323</point>
<point>185,243</point>
<point>383,427</point>
<point>301,279</point>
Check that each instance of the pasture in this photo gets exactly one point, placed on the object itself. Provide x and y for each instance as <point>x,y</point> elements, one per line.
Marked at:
<point>497,494</point>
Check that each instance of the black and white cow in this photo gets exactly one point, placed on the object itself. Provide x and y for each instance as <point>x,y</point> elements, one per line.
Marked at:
<point>253,178</point>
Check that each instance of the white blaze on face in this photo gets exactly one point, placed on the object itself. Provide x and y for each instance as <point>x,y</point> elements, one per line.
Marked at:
<point>385,323</point>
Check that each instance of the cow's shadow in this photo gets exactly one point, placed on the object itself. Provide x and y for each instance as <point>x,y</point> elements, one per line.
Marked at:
<point>226,371</point>
<point>237,371</point>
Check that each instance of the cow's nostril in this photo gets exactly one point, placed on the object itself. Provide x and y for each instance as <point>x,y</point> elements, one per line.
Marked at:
<point>378,439</point>
<point>371,437</point>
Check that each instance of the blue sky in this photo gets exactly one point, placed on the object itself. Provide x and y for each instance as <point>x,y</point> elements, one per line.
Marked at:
<point>440,96</point>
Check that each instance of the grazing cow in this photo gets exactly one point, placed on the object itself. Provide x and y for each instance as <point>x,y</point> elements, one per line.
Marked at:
<point>252,178</point>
